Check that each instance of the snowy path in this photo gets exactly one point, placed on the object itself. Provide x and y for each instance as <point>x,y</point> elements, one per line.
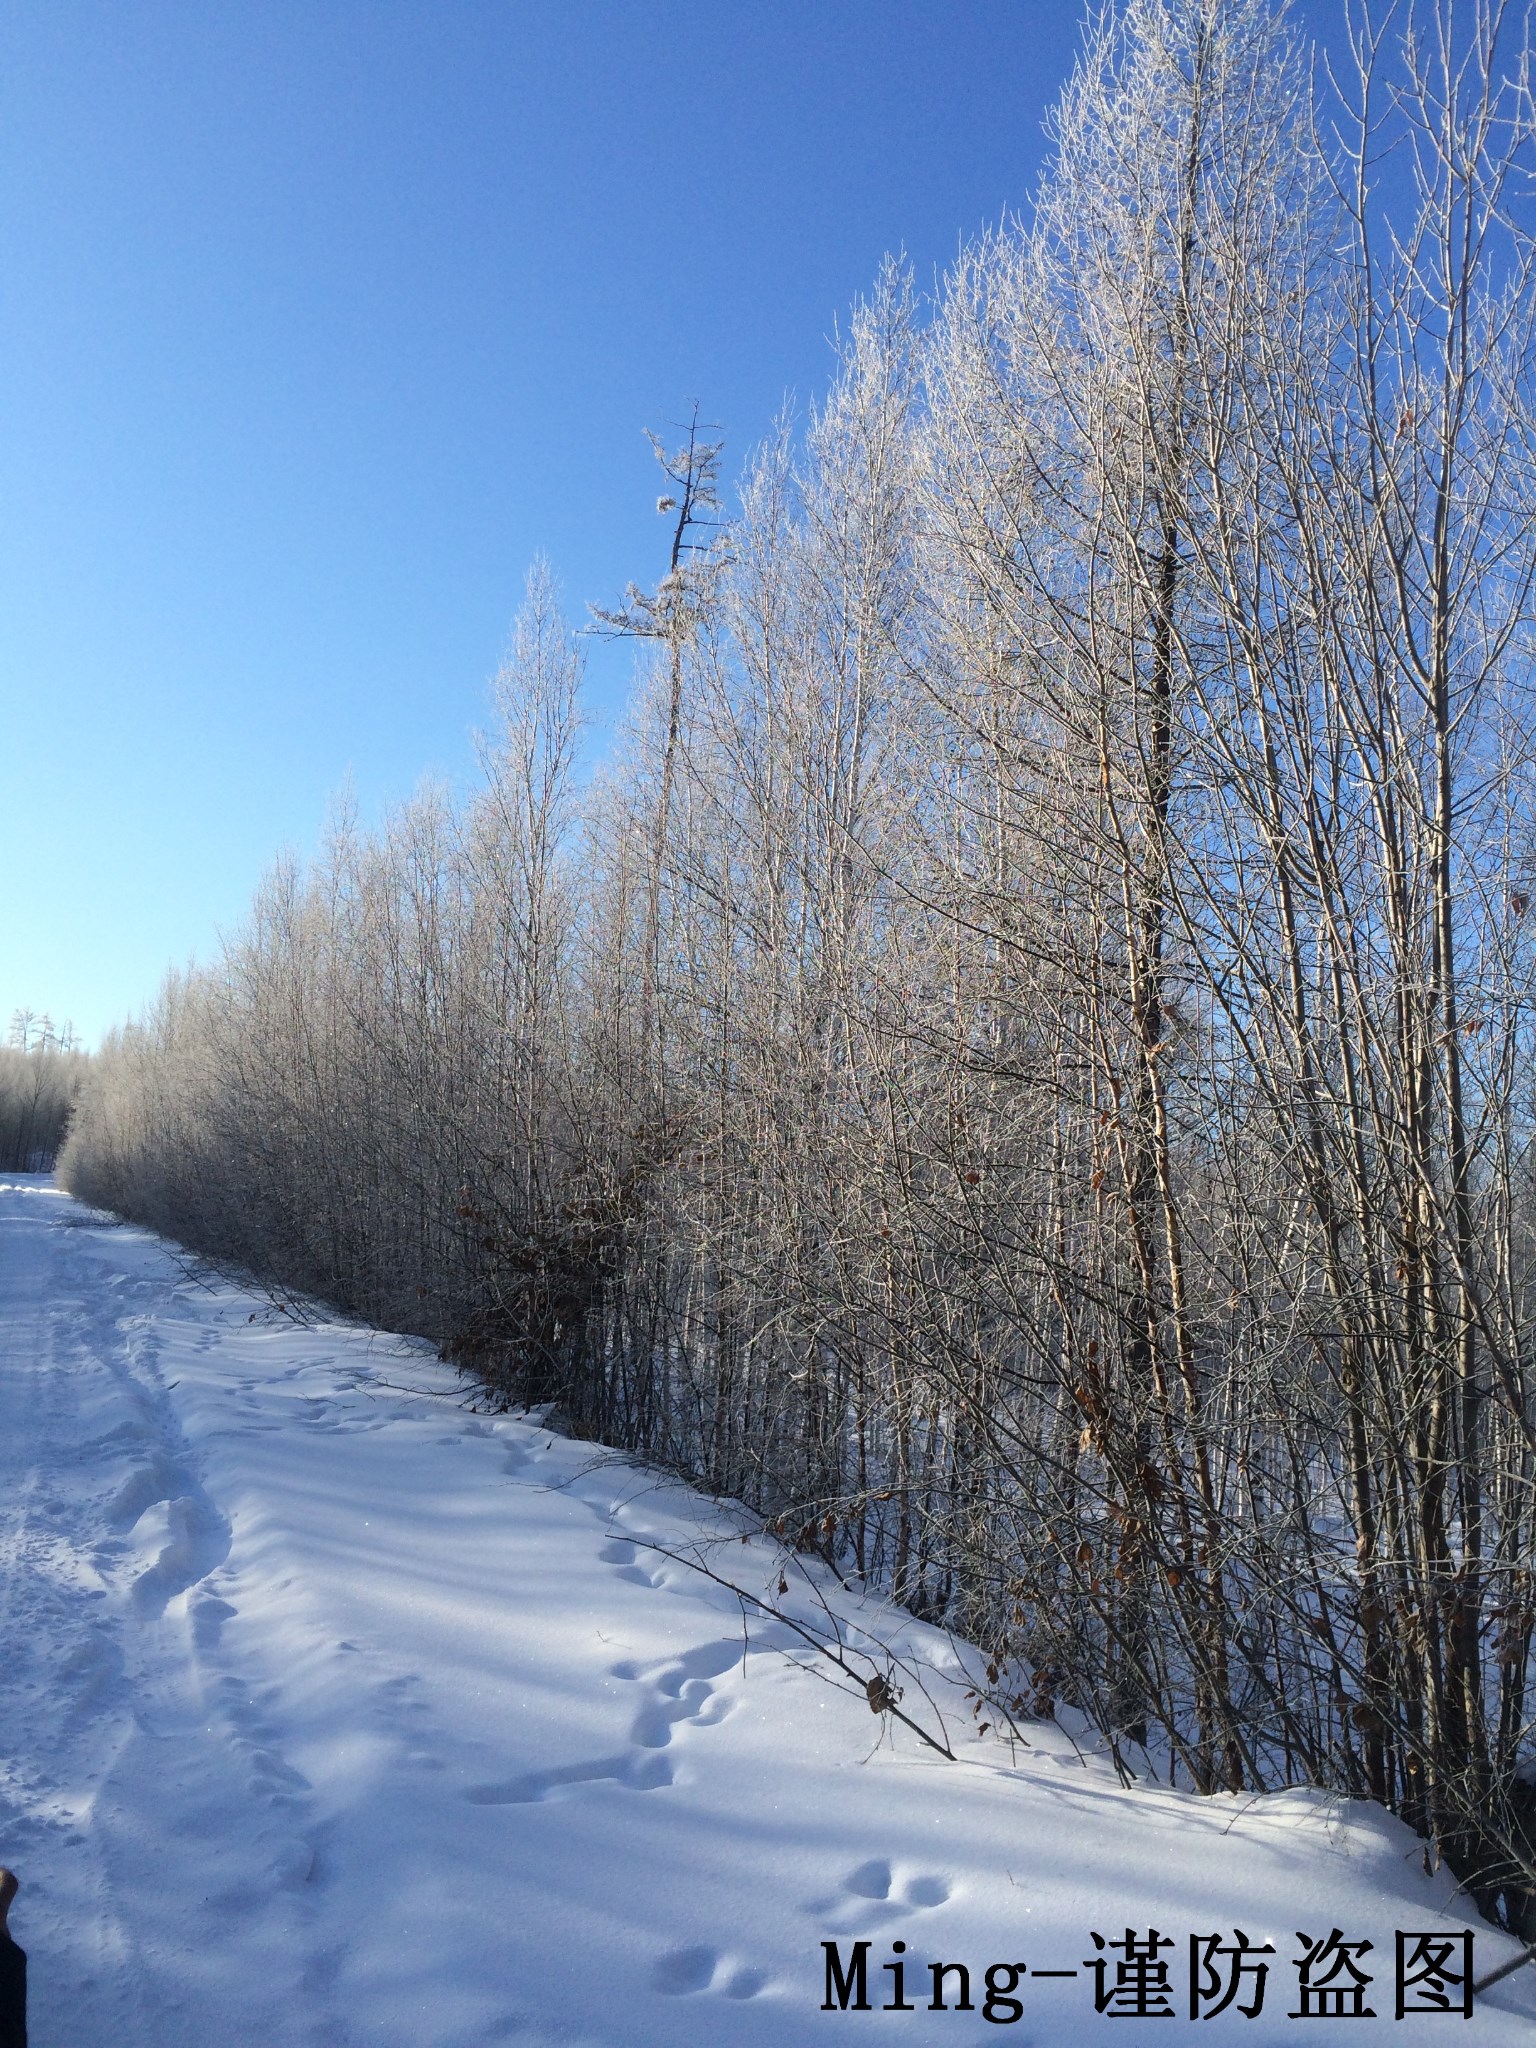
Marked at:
<point>332,1713</point>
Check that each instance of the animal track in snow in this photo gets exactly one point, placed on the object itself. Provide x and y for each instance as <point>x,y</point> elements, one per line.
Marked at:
<point>341,1417</point>
<point>197,1542</point>
<point>697,1702</point>
<point>196,1534</point>
<point>295,1864</point>
<point>159,1480</point>
<point>274,1779</point>
<point>876,1893</point>
<point>402,1694</point>
<point>681,1690</point>
<point>290,1862</point>
<point>638,1771</point>
<point>684,1970</point>
<point>209,1615</point>
<point>519,1456</point>
<point>624,1554</point>
<point>91,1679</point>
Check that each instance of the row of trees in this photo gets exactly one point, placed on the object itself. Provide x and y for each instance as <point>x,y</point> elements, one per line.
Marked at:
<point>1023,1072</point>
<point>35,1031</point>
<point>39,1082</point>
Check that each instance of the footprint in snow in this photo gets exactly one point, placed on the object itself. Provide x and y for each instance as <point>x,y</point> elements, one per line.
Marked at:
<point>401,1705</point>
<point>209,1615</point>
<point>160,1479</point>
<point>636,1771</point>
<point>685,1970</point>
<point>625,1556</point>
<point>90,1680</point>
<point>272,1779</point>
<point>197,1543</point>
<point>295,1865</point>
<point>681,1691</point>
<point>876,1893</point>
<point>706,1660</point>
<point>697,1702</point>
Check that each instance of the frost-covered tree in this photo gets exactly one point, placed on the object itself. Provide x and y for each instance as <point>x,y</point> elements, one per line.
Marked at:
<point>1019,1067</point>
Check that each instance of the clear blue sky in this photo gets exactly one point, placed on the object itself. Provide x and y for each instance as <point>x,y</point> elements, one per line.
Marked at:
<point>319,317</point>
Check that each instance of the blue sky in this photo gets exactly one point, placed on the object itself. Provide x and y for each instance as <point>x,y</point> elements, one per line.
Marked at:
<point>318,318</point>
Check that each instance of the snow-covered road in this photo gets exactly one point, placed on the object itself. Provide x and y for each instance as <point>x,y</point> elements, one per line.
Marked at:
<point>333,1713</point>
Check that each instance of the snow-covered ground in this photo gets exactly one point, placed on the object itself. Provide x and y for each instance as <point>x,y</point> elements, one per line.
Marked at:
<point>334,1713</point>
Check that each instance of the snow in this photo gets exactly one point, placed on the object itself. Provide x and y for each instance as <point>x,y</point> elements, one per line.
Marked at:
<point>335,1713</point>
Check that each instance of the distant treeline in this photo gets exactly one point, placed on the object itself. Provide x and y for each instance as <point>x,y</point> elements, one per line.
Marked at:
<point>38,1088</point>
<point>1023,1070</point>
